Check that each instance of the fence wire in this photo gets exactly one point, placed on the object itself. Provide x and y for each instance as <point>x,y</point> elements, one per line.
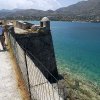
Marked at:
<point>38,86</point>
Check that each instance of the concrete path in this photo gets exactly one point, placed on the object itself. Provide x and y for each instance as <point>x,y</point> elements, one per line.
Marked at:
<point>8,85</point>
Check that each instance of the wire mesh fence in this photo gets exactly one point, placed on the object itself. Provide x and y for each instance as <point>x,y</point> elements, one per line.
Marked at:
<point>38,86</point>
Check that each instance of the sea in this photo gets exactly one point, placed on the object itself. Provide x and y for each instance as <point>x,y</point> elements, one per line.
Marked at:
<point>77,48</point>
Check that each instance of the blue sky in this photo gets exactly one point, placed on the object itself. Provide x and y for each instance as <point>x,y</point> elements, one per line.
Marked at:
<point>35,4</point>
<point>68,2</point>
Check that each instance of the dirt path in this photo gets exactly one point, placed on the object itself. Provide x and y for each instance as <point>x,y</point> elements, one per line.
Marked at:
<point>8,85</point>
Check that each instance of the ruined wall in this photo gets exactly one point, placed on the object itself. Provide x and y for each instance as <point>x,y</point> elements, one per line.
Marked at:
<point>23,25</point>
<point>41,47</point>
<point>38,86</point>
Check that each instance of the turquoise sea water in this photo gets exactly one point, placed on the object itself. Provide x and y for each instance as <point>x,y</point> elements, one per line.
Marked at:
<point>77,48</point>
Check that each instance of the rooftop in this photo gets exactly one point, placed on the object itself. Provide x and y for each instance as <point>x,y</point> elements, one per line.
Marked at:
<point>44,19</point>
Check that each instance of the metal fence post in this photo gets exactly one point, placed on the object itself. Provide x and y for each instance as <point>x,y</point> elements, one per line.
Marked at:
<point>27,74</point>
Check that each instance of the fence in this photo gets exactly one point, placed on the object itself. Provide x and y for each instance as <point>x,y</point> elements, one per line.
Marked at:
<point>38,86</point>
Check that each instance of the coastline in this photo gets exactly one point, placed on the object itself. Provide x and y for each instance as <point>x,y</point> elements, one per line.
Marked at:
<point>81,88</point>
<point>66,21</point>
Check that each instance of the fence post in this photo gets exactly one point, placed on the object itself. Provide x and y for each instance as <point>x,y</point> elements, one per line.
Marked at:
<point>27,75</point>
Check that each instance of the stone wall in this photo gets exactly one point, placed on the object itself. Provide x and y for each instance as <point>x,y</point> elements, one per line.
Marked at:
<point>40,47</point>
<point>32,70</point>
<point>23,25</point>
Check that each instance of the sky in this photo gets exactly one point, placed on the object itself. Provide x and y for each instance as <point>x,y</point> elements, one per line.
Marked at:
<point>36,4</point>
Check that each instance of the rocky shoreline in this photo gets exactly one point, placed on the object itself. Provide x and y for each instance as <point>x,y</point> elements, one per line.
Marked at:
<point>78,89</point>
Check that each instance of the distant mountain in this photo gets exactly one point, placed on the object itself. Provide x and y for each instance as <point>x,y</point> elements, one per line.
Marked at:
<point>81,11</point>
<point>83,8</point>
<point>25,13</point>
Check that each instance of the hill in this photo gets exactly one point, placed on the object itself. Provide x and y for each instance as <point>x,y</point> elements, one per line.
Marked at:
<point>81,11</point>
<point>84,9</point>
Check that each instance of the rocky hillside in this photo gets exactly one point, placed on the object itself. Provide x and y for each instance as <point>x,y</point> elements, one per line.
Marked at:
<point>83,8</point>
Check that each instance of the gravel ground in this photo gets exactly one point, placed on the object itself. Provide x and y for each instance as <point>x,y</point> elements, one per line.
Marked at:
<point>8,85</point>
